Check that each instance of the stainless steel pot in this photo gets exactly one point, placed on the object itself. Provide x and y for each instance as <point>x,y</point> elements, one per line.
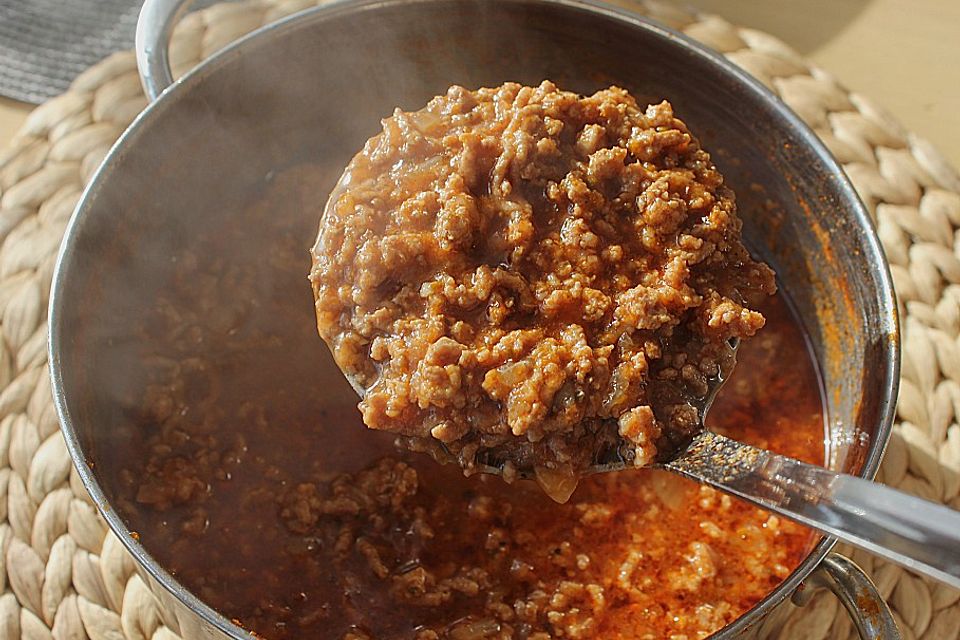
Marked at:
<point>315,85</point>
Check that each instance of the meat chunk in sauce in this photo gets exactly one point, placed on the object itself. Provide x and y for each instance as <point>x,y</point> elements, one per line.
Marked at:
<point>517,269</point>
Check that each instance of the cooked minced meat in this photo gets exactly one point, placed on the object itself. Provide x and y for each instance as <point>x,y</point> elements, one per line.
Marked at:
<point>517,268</point>
<point>247,473</point>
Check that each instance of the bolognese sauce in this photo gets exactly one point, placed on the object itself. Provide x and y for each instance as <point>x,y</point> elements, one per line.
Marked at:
<point>266,497</point>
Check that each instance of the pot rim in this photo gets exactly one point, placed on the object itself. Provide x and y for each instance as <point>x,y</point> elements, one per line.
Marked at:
<point>168,99</point>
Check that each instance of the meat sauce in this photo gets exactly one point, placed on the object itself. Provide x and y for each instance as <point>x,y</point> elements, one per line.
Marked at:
<point>254,482</point>
<point>522,277</point>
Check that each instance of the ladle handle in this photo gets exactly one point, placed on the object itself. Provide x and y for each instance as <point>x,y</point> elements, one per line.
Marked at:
<point>154,28</point>
<point>915,533</point>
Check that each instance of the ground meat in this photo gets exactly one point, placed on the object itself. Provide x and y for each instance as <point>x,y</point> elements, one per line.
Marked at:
<point>258,488</point>
<point>515,268</point>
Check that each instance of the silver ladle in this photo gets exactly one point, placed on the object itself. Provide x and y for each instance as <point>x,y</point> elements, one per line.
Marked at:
<point>912,532</point>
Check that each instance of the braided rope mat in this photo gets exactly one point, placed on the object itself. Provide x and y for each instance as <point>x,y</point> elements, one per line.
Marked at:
<point>64,576</point>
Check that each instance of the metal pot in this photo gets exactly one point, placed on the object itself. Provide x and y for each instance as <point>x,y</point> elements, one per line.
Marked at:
<point>315,85</point>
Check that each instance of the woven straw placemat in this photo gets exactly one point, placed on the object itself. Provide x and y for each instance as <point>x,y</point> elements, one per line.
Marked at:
<point>62,575</point>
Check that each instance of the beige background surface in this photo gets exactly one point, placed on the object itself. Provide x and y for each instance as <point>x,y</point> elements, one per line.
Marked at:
<point>903,54</point>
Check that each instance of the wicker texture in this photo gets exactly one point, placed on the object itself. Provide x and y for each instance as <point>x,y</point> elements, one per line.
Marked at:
<point>64,576</point>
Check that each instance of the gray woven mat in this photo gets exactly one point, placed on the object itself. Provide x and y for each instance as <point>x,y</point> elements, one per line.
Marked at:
<point>45,44</point>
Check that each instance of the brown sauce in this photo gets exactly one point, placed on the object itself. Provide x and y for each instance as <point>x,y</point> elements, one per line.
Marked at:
<point>237,485</point>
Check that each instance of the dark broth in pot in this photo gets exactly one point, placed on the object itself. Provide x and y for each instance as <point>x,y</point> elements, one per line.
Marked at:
<point>253,480</point>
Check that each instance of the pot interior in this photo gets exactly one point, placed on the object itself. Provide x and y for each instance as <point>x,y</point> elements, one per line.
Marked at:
<point>301,98</point>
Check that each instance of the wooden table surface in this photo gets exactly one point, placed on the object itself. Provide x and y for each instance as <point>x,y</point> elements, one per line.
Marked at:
<point>903,54</point>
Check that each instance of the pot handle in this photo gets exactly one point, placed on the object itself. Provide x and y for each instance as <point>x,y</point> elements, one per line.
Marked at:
<point>154,28</point>
<point>847,581</point>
